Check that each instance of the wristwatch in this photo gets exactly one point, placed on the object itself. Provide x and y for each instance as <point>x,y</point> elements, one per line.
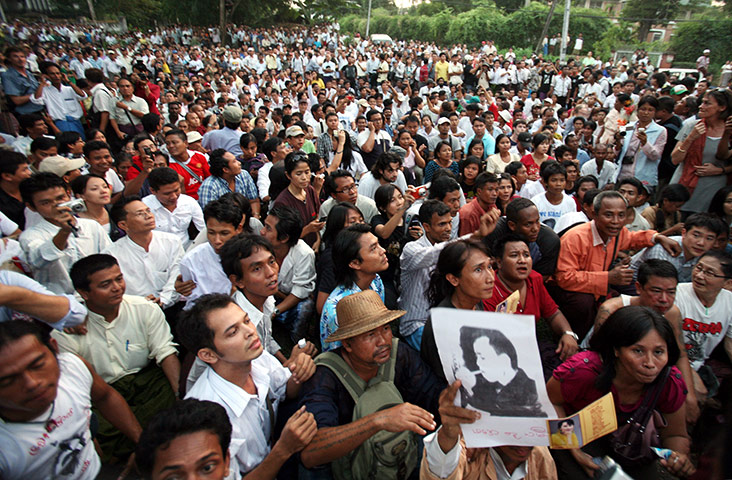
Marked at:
<point>276,312</point>
<point>571,334</point>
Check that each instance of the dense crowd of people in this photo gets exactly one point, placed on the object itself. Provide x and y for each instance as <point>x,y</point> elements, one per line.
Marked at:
<point>221,258</point>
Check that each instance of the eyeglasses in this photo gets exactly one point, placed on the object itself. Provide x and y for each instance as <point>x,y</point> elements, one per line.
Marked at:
<point>706,272</point>
<point>349,189</point>
<point>142,213</point>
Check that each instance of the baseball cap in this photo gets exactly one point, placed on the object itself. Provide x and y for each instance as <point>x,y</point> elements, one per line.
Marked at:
<point>294,131</point>
<point>363,103</point>
<point>232,114</point>
<point>679,90</point>
<point>443,120</point>
<point>524,138</point>
<point>59,165</point>
<point>505,115</point>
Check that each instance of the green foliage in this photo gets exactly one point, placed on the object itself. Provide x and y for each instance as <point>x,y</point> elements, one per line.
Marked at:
<point>436,22</point>
<point>648,13</point>
<point>714,31</point>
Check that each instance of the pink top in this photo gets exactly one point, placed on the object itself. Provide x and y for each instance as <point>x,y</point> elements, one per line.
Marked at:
<point>577,376</point>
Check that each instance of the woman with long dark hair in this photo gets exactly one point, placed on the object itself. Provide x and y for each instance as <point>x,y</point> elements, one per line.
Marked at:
<point>392,233</point>
<point>631,355</point>
<point>462,278</point>
<point>341,216</point>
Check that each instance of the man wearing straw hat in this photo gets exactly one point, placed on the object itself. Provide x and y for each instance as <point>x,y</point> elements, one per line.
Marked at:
<point>369,351</point>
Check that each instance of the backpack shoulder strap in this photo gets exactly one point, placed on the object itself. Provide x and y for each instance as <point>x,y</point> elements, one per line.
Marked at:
<point>353,383</point>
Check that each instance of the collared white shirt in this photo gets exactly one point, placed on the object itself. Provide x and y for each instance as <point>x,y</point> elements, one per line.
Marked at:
<point>249,415</point>
<point>60,103</point>
<point>151,272</point>
<point>50,265</point>
<point>125,117</point>
<point>261,319</point>
<point>176,222</point>
<point>125,345</point>
<point>297,272</point>
<point>561,85</point>
<point>203,265</point>
<point>102,99</point>
<point>605,176</point>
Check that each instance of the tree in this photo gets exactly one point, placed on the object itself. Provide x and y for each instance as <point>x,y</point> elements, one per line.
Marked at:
<point>649,13</point>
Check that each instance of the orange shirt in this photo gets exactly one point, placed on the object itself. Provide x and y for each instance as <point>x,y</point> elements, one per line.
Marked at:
<point>584,258</point>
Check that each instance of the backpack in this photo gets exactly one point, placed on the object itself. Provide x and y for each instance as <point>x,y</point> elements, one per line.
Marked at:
<point>386,454</point>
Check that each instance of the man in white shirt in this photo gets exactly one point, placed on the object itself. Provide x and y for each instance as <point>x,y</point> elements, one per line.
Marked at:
<point>249,263</point>
<point>55,408</point>
<point>124,333</point>
<point>200,267</point>
<point>61,99</point>
<point>249,383</point>
<point>174,212</point>
<point>149,259</point>
<point>600,167</point>
<point>59,239</point>
<point>342,187</point>
<point>387,169</point>
<point>99,157</point>
<point>296,279</point>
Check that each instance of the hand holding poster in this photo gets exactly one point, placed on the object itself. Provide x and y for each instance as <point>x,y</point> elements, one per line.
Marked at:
<point>496,358</point>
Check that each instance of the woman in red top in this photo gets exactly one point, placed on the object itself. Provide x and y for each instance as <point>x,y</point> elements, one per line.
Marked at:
<point>628,356</point>
<point>540,155</point>
<point>302,196</point>
<point>515,273</point>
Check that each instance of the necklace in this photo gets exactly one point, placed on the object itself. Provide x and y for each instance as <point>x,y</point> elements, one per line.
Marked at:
<point>49,424</point>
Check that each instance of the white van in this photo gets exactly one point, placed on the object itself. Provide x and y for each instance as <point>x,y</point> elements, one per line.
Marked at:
<point>377,38</point>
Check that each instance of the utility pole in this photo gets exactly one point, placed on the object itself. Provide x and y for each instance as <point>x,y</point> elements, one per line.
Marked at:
<point>546,26</point>
<point>92,13</point>
<point>222,21</point>
<point>565,30</point>
<point>368,21</point>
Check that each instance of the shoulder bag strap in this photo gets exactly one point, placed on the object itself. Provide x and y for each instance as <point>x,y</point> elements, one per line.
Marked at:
<point>651,398</point>
<point>352,382</point>
<point>187,169</point>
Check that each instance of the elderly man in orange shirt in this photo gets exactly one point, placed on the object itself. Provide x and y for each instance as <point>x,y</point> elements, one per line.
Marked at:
<point>587,267</point>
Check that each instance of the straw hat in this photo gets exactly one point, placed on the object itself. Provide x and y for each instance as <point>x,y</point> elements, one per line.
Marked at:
<point>361,312</point>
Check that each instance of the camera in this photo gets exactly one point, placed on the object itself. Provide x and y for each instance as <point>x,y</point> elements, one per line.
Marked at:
<point>76,205</point>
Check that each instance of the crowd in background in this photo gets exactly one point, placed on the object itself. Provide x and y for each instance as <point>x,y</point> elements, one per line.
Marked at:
<point>232,211</point>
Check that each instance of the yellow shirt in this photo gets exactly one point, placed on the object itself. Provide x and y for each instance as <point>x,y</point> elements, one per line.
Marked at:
<point>441,70</point>
<point>560,440</point>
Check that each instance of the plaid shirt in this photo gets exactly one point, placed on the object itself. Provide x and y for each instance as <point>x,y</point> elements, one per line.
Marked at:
<point>215,187</point>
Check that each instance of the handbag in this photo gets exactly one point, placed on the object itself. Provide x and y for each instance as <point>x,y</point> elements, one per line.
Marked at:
<point>631,443</point>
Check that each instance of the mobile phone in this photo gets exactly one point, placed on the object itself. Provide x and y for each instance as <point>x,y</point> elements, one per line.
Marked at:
<point>414,222</point>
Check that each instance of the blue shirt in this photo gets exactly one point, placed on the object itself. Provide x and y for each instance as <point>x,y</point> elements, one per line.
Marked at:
<point>329,321</point>
<point>225,138</point>
<point>215,187</point>
<point>489,145</point>
<point>16,84</point>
